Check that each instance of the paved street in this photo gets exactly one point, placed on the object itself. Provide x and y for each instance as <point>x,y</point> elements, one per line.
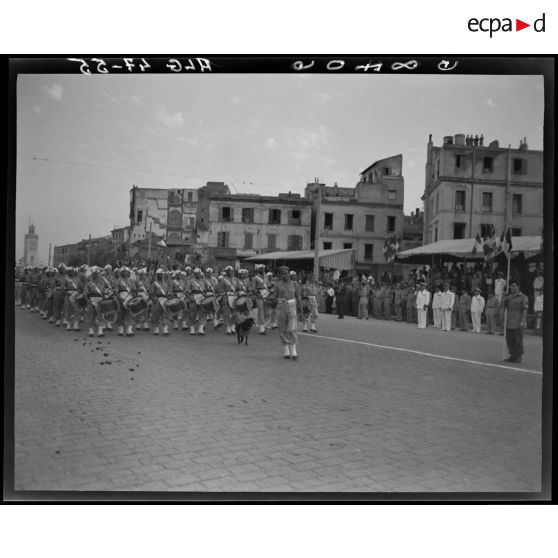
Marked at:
<point>205,414</point>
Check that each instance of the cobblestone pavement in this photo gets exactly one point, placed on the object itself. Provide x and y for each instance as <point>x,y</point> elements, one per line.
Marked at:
<point>206,414</point>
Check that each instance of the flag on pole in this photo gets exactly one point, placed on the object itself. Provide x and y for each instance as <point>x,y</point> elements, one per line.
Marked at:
<point>385,250</point>
<point>490,245</point>
<point>478,244</point>
<point>506,242</point>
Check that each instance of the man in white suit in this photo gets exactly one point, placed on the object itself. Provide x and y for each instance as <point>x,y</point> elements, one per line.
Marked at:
<point>477,308</point>
<point>448,300</point>
<point>423,300</point>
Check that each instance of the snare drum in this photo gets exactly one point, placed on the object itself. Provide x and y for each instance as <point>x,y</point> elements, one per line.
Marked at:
<point>137,306</point>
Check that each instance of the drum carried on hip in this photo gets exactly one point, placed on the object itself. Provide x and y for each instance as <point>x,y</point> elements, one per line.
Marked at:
<point>305,305</point>
<point>137,306</point>
<point>242,303</point>
<point>176,306</point>
<point>108,308</point>
<point>209,303</point>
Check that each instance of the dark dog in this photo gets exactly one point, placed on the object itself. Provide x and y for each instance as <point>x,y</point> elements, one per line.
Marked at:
<point>243,329</point>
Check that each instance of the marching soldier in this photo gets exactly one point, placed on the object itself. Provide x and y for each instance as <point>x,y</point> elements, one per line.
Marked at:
<point>176,288</point>
<point>309,291</point>
<point>271,301</point>
<point>227,287</point>
<point>94,289</point>
<point>197,313</point>
<point>261,292</point>
<point>288,298</point>
<point>158,296</point>
<point>212,283</point>
<point>141,288</point>
<point>59,294</point>
<point>124,292</point>
<point>72,312</point>
<point>108,278</point>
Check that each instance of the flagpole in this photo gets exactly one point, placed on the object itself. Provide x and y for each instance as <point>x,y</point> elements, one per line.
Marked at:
<point>507,227</point>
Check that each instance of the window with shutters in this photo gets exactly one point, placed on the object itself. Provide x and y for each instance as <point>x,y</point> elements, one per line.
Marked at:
<point>369,223</point>
<point>460,200</point>
<point>274,216</point>
<point>226,215</point>
<point>487,202</point>
<point>295,242</point>
<point>247,214</point>
<point>517,204</point>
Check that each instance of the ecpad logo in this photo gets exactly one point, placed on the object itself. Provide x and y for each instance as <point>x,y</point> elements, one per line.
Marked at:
<point>493,25</point>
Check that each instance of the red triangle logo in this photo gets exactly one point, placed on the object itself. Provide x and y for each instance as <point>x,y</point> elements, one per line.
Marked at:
<point>519,25</point>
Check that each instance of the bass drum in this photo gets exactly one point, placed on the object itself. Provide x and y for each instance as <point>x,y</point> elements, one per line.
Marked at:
<point>137,306</point>
<point>108,307</point>
<point>208,303</point>
<point>175,306</point>
<point>242,304</point>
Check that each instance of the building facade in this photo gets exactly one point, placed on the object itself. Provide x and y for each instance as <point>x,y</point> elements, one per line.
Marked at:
<point>181,217</point>
<point>148,212</point>
<point>472,188</point>
<point>244,225</point>
<point>93,251</point>
<point>363,217</point>
<point>31,247</point>
<point>413,227</point>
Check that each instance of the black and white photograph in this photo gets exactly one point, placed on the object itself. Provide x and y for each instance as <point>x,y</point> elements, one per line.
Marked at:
<point>282,278</point>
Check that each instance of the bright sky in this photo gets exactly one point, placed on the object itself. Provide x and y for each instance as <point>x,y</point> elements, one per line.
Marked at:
<point>258,133</point>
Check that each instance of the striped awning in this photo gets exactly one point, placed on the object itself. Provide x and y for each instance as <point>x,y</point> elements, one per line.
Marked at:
<point>334,259</point>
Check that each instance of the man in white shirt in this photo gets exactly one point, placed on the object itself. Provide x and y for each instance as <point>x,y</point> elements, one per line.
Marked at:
<point>477,308</point>
<point>423,300</point>
<point>448,300</point>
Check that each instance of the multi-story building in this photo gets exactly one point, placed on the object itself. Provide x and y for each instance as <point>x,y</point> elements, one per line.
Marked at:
<point>413,226</point>
<point>121,242</point>
<point>363,217</point>
<point>471,188</point>
<point>96,251</point>
<point>243,225</point>
<point>148,212</point>
<point>181,219</point>
<point>31,247</point>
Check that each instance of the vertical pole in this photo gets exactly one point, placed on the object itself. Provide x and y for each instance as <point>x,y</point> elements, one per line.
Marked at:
<point>149,241</point>
<point>317,235</point>
<point>89,251</point>
<point>49,252</point>
<point>507,226</point>
<point>472,190</point>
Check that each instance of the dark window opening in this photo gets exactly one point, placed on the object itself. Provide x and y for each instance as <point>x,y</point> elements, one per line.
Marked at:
<point>369,224</point>
<point>460,200</point>
<point>369,251</point>
<point>247,215</point>
<point>328,221</point>
<point>488,164</point>
<point>459,230</point>
<point>487,202</point>
<point>348,222</point>
<point>327,245</point>
<point>226,215</point>
<point>274,216</point>
<point>517,204</point>
<point>391,224</point>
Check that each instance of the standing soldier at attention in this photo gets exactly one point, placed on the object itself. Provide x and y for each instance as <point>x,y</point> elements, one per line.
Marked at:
<point>454,308</point>
<point>492,311</point>
<point>398,302</point>
<point>514,320</point>
<point>363,296</point>
<point>378,302</point>
<point>388,301</point>
<point>464,309</point>
<point>288,299</point>
<point>411,304</point>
